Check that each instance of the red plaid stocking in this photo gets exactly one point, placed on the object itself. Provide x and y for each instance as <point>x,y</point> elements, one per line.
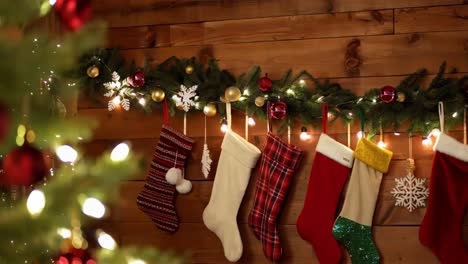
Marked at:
<point>278,164</point>
<point>157,199</point>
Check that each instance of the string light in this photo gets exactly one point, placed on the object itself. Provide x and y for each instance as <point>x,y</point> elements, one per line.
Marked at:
<point>290,91</point>
<point>36,202</point>
<point>93,207</point>
<point>454,115</point>
<point>66,153</point>
<point>381,144</point>
<point>224,127</point>
<point>396,133</point>
<point>106,241</point>
<point>120,152</point>
<point>64,232</point>
<point>251,121</point>
<point>435,132</point>
<point>374,100</point>
<point>359,134</point>
<point>136,261</point>
<point>142,101</point>
<point>304,135</point>
<point>246,92</point>
<point>302,82</point>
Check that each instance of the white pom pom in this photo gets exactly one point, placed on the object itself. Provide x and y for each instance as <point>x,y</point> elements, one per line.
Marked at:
<point>174,176</point>
<point>184,187</point>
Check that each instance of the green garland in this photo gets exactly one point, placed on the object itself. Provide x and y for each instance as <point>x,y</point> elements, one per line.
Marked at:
<point>304,103</point>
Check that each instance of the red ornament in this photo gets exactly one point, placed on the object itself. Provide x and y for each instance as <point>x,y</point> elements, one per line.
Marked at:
<point>4,122</point>
<point>265,84</point>
<point>388,94</point>
<point>23,166</point>
<point>137,79</point>
<point>73,13</point>
<point>76,256</point>
<point>278,110</point>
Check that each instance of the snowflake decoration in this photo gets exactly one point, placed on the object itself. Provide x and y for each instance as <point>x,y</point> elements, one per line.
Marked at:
<point>410,192</point>
<point>185,97</point>
<point>206,161</point>
<point>118,89</point>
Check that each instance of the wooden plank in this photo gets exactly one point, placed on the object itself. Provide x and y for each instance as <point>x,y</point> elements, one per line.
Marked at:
<point>190,207</point>
<point>123,13</point>
<point>443,18</point>
<point>395,244</point>
<point>252,30</point>
<point>324,58</point>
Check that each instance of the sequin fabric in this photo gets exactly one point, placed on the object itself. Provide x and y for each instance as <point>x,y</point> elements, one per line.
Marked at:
<point>358,241</point>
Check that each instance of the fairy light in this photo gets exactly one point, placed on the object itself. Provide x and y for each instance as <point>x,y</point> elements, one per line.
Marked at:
<point>359,134</point>
<point>246,92</point>
<point>290,91</point>
<point>120,152</point>
<point>454,115</point>
<point>36,202</point>
<point>435,132</point>
<point>64,232</point>
<point>93,207</point>
<point>374,100</point>
<point>224,128</point>
<point>359,100</point>
<point>251,121</point>
<point>106,241</point>
<point>302,82</point>
<point>66,153</point>
<point>396,134</point>
<point>136,261</point>
<point>142,101</point>
<point>304,135</point>
<point>381,144</point>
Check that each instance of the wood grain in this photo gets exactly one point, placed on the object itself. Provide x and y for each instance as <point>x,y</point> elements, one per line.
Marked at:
<point>445,18</point>
<point>382,55</point>
<point>123,13</point>
<point>254,30</point>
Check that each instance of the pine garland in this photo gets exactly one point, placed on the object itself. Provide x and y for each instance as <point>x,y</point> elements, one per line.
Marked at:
<point>304,103</point>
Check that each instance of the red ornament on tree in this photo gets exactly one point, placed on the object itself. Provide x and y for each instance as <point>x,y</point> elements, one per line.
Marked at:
<point>76,256</point>
<point>23,166</point>
<point>388,94</point>
<point>265,84</point>
<point>73,13</point>
<point>137,79</point>
<point>278,110</point>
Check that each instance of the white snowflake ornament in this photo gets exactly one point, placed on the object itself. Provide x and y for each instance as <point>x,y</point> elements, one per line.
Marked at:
<point>185,97</point>
<point>113,86</point>
<point>410,192</point>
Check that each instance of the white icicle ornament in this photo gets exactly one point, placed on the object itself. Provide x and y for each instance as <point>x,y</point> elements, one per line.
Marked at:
<point>206,161</point>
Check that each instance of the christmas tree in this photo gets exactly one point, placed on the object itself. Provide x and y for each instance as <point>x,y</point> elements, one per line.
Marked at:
<point>49,192</point>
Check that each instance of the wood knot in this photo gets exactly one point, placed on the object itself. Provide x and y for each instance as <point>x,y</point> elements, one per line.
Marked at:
<point>413,38</point>
<point>150,39</point>
<point>206,54</point>
<point>377,16</point>
<point>352,58</point>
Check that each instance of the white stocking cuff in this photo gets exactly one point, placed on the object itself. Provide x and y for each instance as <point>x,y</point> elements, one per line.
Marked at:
<point>451,147</point>
<point>335,150</point>
<point>244,151</point>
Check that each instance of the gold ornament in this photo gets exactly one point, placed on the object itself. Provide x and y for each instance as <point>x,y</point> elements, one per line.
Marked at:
<point>209,110</point>
<point>92,71</point>
<point>189,69</point>
<point>401,97</point>
<point>158,95</point>
<point>232,94</point>
<point>260,101</point>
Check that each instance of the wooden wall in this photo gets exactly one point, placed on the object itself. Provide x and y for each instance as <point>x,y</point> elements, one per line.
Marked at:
<point>398,37</point>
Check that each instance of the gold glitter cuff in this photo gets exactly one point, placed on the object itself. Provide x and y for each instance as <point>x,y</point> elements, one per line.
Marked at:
<point>372,155</point>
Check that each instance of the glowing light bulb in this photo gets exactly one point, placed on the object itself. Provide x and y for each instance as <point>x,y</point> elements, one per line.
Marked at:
<point>142,101</point>
<point>374,100</point>
<point>106,241</point>
<point>36,202</point>
<point>302,82</point>
<point>396,134</point>
<point>435,132</point>
<point>381,144</point>
<point>290,91</point>
<point>246,92</point>
<point>66,153</point>
<point>304,135</point>
<point>350,113</point>
<point>64,232</point>
<point>175,98</point>
<point>120,152</point>
<point>359,134</point>
<point>427,141</point>
<point>116,100</point>
<point>93,207</point>
<point>251,121</point>
<point>52,2</point>
<point>224,128</point>
<point>454,115</point>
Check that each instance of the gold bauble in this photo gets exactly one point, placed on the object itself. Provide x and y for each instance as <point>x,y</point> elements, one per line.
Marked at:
<point>209,110</point>
<point>260,101</point>
<point>232,94</point>
<point>158,95</point>
<point>401,97</point>
<point>92,71</point>
<point>189,69</point>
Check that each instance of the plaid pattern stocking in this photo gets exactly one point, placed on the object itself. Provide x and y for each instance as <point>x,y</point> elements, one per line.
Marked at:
<point>278,163</point>
<point>157,199</point>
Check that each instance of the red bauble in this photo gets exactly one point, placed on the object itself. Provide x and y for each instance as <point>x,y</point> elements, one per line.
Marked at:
<point>137,79</point>
<point>23,166</point>
<point>73,13</point>
<point>4,122</point>
<point>76,256</point>
<point>278,110</point>
<point>265,84</point>
<point>388,94</point>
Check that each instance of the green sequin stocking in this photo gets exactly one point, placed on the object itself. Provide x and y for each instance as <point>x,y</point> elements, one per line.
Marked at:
<point>358,241</point>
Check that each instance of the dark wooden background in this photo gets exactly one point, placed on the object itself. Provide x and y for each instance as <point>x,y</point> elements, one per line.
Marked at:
<point>397,38</point>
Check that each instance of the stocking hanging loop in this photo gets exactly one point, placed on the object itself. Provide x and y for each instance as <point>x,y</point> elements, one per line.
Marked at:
<point>441,116</point>
<point>324,118</point>
<point>228,115</point>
